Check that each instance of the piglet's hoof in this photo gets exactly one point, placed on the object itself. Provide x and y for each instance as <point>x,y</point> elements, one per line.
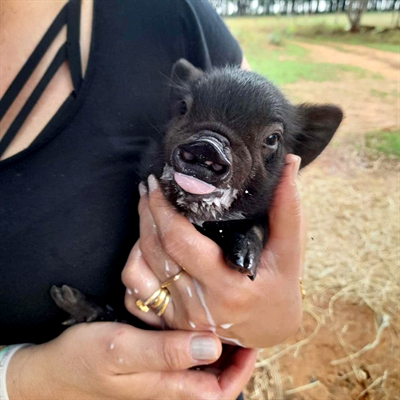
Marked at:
<point>244,254</point>
<point>75,303</point>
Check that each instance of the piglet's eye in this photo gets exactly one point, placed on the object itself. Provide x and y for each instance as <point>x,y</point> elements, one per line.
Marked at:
<point>272,140</point>
<point>183,107</point>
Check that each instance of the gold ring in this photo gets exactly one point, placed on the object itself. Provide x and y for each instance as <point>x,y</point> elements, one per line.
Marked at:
<point>302,291</point>
<point>161,309</point>
<point>171,280</point>
<point>143,306</point>
<point>158,301</point>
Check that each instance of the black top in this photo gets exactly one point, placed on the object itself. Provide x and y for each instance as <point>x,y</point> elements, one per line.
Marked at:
<point>68,203</point>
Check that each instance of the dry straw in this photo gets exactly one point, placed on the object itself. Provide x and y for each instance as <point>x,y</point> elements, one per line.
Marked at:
<point>352,259</point>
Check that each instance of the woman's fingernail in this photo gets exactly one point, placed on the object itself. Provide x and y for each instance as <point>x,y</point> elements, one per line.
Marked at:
<point>153,184</point>
<point>142,189</point>
<point>295,169</point>
<point>204,348</point>
<point>291,158</point>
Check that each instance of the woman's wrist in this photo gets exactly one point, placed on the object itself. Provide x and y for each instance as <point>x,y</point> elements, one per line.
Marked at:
<point>6,354</point>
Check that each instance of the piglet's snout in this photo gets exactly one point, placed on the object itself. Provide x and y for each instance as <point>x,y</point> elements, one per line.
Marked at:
<point>206,156</point>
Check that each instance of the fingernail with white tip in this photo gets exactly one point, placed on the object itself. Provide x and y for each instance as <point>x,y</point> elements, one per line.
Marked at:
<point>153,184</point>
<point>142,189</point>
<point>295,170</point>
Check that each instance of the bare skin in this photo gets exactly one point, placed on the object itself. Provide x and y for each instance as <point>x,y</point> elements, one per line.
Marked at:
<point>22,25</point>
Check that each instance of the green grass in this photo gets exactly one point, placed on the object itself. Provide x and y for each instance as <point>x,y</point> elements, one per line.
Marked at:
<point>387,143</point>
<point>379,93</point>
<point>317,28</point>
<point>387,41</point>
<point>282,72</point>
<point>315,24</point>
<point>394,48</point>
<point>282,61</point>
<point>384,95</point>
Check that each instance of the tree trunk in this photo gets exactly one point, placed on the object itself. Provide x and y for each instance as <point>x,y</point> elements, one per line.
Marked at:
<point>242,7</point>
<point>225,7</point>
<point>396,25</point>
<point>268,7</point>
<point>355,12</point>
<point>293,7</point>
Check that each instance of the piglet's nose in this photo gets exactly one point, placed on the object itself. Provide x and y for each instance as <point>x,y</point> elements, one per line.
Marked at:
<point>204,157</point>
<point>207,151</point>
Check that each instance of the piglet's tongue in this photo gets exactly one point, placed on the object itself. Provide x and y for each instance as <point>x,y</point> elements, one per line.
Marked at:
<point>193,185</point>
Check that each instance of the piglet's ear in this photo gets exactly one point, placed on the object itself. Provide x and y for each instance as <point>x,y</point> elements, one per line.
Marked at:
<point>317,127</point>
<point>184,72</point>
<point>183,75</point>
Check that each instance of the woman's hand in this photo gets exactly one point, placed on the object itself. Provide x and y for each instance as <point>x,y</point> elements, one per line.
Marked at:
<point>110,360</point>
<point>209,295</point>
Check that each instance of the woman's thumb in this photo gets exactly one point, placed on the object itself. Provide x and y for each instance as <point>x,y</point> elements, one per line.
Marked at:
<point>285,214</point>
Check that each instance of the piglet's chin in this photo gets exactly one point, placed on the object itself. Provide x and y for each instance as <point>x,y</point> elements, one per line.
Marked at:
<point>193,185</point>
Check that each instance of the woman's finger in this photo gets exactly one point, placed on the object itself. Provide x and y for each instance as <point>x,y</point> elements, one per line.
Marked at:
<point>286,223</point>
<point>143,276</point>
<point>191,384</point>
<point>137,276</point>
<point>140,282</point>
<point>182,385</point>
<point>150,245</point>
<point>134,350</point>
<point>163,267</point>
<point>238,373</point>
<point>285,214</point>
<point>197,254</point>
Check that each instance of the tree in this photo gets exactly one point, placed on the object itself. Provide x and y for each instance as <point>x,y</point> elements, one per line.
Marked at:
<point>243,7</point>
<point>354,13</point>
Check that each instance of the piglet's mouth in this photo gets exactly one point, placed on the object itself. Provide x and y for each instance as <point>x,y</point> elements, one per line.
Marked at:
<point>200,201</point>
<point>193,185</point>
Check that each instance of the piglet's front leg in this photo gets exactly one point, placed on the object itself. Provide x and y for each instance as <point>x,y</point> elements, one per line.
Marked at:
<point>242,242</point>
<point>244,251</point>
